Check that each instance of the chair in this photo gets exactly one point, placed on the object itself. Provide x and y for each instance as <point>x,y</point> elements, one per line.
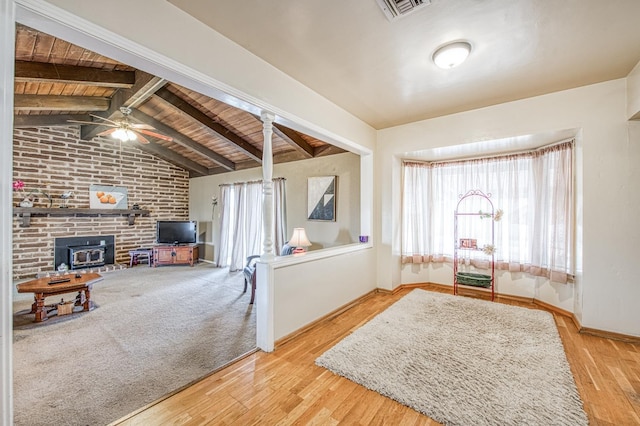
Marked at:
<point>249,272</point>
<point>286,250</point>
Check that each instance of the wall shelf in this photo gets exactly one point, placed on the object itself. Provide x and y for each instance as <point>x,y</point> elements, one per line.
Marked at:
<point>25,213</point>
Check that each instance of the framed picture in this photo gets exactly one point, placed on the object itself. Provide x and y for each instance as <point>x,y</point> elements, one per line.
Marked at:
<point>321,198</point>
<point>469,243</point>
<point>108,197</point>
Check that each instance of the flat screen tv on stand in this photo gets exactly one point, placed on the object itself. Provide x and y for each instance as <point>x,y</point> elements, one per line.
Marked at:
<point>176,232</point>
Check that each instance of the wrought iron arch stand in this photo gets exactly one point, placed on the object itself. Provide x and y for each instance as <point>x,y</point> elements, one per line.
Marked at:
<point>462,212</point>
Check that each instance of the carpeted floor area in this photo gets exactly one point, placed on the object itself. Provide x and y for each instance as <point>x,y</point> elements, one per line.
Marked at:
<point>463,361</point>
<point>153,331</point>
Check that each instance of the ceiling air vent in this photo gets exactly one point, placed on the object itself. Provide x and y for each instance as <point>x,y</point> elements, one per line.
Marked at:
<point>394,9</point>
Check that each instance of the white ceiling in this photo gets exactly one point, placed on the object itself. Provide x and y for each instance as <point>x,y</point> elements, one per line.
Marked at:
<point>382,72</point>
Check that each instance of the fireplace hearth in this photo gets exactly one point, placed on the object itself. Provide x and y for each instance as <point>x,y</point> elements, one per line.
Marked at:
<point>84,252</point>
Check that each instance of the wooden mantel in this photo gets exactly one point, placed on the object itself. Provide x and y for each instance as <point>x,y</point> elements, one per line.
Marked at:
<point>26,212</point>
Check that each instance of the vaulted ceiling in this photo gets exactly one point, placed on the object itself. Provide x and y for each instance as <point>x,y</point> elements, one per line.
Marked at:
<point>57,83</point>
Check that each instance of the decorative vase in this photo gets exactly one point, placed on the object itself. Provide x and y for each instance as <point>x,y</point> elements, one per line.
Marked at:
<point>26,203</point>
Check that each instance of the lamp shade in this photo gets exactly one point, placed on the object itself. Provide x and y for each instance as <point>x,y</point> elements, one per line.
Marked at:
<point>451,55</point>
<point>299,238</point>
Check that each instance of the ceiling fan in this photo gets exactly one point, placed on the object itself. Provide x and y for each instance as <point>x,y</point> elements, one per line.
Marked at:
<point>124,129</point>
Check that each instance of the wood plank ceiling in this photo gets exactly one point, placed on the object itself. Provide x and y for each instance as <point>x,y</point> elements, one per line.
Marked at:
<point>56,81</point>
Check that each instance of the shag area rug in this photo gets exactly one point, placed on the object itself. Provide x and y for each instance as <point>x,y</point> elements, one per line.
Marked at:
<point>153,331</point>
<point>463,361</point>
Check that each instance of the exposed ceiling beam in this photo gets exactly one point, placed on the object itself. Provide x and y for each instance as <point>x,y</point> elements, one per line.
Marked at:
<point>283,157</point>
<point>57,102</point>
<point>326,150</point>
<point>286,157</point>
<point>181,139</point>
<point>21,121</point>
<point>145,85</point>
<point>55,73</point>
<point>88,132</point>
<point>218,129</point>
<point>293,139</point>
<point>174,158</point>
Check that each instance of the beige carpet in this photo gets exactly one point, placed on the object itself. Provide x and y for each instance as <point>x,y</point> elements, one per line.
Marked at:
<point>154,330</point>
<point>463,361</point>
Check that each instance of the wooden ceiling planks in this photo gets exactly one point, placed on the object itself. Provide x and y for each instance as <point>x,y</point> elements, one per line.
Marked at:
<point>209,136</point>
<point>35,46</point>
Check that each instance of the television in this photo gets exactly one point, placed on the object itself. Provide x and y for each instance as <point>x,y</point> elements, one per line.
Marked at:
<point>176,232</point>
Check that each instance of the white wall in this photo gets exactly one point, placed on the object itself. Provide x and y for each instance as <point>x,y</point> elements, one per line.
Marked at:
<point>517,284</point>
<point>7,43</point>
<point>346,228</point>
<point>608,154</point>
<point>633,93</point>
<point>305,292</point>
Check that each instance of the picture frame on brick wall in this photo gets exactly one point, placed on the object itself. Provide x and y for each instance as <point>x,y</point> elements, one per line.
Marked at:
<point>108,197</point>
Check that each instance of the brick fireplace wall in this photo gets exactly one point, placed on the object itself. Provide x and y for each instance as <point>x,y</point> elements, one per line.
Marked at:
<point>55,160</point>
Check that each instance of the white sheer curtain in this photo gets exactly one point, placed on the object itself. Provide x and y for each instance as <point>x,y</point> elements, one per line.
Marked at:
<point>247,232</point>
<point>241,221</point>
<point>535,191</point>
<point>227,222</point>
<point>416,226</point>
<point>552,239</point>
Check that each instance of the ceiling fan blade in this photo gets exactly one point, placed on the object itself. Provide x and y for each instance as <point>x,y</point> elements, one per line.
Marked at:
<point>142,139</point>
<point>105,119</point>
<point>107,132</point>
<point>155,135</point>
<point>108,122</point>
<point>142,126</point>
<point>84,122</point>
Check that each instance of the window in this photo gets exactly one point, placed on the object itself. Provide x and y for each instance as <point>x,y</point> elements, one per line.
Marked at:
<point>534,189</point>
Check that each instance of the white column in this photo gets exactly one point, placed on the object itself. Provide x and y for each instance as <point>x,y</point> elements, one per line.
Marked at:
<point>267,185</point>
<point>265,327</point>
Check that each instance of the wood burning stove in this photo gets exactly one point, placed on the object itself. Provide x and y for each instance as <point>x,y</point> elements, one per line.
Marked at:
<point>66,247</point>
<point>86,256</point>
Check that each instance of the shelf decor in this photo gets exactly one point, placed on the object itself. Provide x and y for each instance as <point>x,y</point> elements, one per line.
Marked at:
<point>469,243</point>
<point>489,249</point>
<point>108,197</point>
<point>473,279</point>
<point>34,195</point>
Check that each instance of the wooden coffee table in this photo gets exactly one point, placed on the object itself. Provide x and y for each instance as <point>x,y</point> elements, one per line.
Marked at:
<point>46,286</point>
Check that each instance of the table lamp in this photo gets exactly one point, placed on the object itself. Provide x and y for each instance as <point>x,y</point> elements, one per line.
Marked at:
<point>299,240</point>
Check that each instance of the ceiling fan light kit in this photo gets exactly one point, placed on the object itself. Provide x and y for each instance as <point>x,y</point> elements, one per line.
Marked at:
<point>450,55</point>
<point>123,129</point>
<point>124,135</point>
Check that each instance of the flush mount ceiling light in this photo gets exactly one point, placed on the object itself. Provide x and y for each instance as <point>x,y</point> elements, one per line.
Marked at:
<point>452,54</point>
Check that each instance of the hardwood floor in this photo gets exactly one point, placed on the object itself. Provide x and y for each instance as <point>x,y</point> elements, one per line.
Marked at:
<point>286,387</point>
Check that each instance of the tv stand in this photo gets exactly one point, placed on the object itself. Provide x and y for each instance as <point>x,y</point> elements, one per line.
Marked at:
<point>169,254</point>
